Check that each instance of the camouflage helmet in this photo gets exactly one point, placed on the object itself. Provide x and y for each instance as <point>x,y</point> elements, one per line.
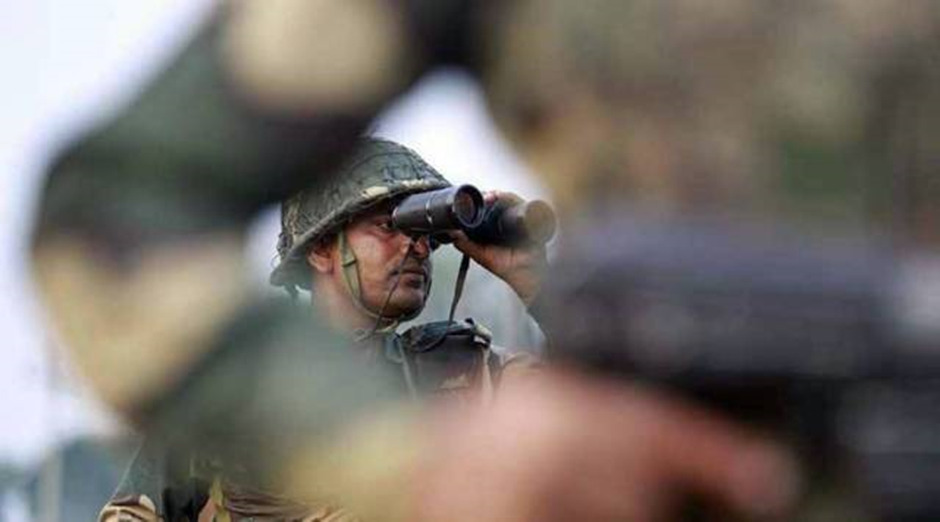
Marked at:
<point>378,171</point>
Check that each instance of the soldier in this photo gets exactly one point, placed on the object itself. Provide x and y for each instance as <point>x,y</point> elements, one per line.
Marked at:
<point>338,243</point>
<point>318,242</point>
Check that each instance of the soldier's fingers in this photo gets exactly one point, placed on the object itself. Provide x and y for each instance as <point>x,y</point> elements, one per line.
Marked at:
<point>482,254</point>
<point>466,245</point>
<point>492,196</point>
<point>461,241</point>
<point>531,255</point>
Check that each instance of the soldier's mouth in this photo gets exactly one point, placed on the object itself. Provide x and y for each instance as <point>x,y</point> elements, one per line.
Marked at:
<point>412,271</point>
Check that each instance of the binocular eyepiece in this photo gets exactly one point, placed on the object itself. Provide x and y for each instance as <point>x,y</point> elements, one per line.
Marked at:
<point>462,208</point>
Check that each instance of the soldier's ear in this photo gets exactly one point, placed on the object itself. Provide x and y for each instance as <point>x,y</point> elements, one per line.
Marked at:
<point>320,255</point>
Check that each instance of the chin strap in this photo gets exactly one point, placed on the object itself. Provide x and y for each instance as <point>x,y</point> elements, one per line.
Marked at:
<point>354,287</point>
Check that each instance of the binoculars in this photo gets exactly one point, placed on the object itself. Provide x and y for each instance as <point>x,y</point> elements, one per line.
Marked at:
<point>438,212</point>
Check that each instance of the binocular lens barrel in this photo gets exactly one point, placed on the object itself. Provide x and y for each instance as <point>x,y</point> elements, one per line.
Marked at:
<point>535,221</point>
<point>462,208</point>
<point>452,208</point>
<point>512,224</point>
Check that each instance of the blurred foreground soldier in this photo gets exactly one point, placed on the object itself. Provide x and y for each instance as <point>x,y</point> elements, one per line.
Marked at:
<point>755,107</point>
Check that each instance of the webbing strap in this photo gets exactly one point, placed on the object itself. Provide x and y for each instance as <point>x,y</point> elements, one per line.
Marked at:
<point>458,287</point>
<point>350,272</point>
<point>353,286</point>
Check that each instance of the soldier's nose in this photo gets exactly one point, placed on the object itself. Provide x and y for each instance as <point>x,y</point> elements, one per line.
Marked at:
<point>422,247</point>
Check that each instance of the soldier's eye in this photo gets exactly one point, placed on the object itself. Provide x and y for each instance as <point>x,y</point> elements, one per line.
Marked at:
<point>385,225</point>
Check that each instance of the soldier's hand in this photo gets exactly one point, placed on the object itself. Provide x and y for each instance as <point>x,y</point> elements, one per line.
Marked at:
<point>566,447</point>
<point>519,266</point>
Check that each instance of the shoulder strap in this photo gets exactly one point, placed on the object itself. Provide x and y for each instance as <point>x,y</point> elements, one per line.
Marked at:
<point>458,288</point>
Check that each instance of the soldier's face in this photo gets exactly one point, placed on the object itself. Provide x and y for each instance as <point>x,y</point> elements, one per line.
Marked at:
<point>381,253</point>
